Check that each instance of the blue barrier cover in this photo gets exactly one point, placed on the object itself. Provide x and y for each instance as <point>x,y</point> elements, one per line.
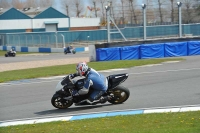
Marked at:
<point>129,52</point>
<point>45,50</point>
<point>81,49</point>
<point>24,49</point>
<point>175,49</point>
<point>4,48</point>
<point>152,51</point>
<point>106,54</point>
<point>194,48</point>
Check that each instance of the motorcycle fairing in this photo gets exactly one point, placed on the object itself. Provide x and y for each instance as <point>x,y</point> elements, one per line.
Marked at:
<point>115,80</point>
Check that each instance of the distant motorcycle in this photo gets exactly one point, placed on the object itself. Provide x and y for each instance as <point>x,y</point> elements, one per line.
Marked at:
<point>69,49</point>
<point>63,97</point>
<point>11,54</point>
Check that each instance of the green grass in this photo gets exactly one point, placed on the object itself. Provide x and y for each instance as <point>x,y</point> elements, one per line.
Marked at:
<point>67,69</point>
<point>185,122</point>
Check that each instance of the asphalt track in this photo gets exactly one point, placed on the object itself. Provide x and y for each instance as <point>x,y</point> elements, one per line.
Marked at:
<point>40,57</point>
<point>162,85</point>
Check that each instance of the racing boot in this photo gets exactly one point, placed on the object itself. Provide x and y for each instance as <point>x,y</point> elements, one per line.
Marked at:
<point>102,99</point>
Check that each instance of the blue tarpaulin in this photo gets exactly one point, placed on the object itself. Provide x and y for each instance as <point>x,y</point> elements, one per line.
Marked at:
<point>175,49</point>
<point>129,52</point>
<point>152,51</point>
<point>194,48</point>
<point>106,54</point>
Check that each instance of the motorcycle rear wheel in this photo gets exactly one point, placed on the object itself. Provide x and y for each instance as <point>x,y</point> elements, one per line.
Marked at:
<point>74,52</point>
<point>121,94</point>
<point>58,102</point>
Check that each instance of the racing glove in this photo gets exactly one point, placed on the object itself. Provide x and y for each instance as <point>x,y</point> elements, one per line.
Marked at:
<point>75,93</point>
<point>73,75</point>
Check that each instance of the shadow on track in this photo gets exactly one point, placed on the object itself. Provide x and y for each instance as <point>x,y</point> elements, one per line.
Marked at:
<point>71,109</point>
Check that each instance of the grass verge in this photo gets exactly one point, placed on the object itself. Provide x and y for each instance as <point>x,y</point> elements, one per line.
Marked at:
<point>67,69</point>
<point>185,122</point>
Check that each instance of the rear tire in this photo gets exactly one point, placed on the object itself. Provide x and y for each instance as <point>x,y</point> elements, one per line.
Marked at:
<point>121,94</point>
<point>58,102</point>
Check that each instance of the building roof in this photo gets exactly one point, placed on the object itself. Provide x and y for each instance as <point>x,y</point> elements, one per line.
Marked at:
<point>27,13</point>
<point>50,13</point>
<point>32,12</point>
<point>12,13</point>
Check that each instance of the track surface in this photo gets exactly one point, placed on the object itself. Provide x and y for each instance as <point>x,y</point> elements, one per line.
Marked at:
<point>167,84</point>
<point>40,57</point>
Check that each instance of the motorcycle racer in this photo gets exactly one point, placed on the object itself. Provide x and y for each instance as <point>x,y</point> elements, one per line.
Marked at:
<point>93,79</point>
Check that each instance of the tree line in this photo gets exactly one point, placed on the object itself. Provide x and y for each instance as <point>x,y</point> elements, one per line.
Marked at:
<point>122,11</point>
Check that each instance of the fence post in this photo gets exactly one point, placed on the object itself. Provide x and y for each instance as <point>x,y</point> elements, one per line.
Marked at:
<point>26,41</point>
<point>7,40</point>
<point>144,21</point>
<point>63,40</point>
<point>19,39</point>
<point>2,40</point>
<point>32,40</point>
<point>47,41</point>
<point>180,18</point>
<point>108,20</point>
<point>56,40</point>
<point>40,41</point>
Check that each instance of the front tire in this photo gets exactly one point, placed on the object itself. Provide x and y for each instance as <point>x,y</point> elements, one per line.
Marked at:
<point>121,94</point>
<point>58,102</point>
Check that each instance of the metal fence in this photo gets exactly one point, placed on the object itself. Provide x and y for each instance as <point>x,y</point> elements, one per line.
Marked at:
<point>84,38</point>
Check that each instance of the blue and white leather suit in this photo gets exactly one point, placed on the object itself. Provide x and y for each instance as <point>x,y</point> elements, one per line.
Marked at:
<point>97,81</point>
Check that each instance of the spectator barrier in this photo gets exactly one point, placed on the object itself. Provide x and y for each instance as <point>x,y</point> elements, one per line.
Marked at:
<point>40,49</point>
<point>176,49</point>
<point>146,51</point>
<point>130,52</point>
<point>151,51</point>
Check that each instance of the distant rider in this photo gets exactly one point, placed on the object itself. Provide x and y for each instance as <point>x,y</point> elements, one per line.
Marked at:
<point>12,50</point>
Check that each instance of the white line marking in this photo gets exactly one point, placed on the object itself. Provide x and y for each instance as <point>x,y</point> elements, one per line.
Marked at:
<point>55,77</point>
<point>171,61</point>
<point>8,84</point>
<point>189,69</point>
<point>112,70</point>
<point>150,65</point>
<point>35,121</point>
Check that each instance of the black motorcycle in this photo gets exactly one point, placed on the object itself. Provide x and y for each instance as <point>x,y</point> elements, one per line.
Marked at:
<point>63,98</point>
<point>10,53</point>
<point>69,50</point>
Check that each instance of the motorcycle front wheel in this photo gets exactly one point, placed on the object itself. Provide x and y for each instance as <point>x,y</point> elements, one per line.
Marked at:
<point>120,95</point>
<point>58,102</point>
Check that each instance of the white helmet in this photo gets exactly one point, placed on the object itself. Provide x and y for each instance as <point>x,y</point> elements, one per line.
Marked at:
<point>82,68</point>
